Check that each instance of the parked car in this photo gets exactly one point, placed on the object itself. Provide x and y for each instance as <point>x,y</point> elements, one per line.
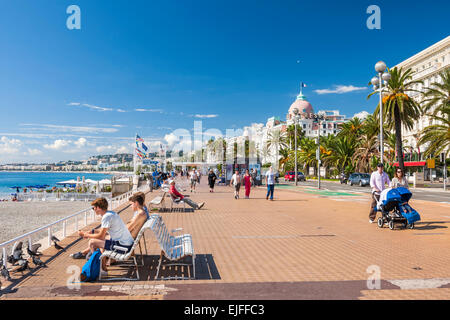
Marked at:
<point>363,179</point>
<point>290,176</point>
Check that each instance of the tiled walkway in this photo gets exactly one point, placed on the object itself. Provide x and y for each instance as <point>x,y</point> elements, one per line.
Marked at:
<point>303,245</point>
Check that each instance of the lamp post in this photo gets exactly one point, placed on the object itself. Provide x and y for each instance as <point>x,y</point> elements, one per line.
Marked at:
<point>295,143</point>
<point>318,117</point>
<point>377,82</point>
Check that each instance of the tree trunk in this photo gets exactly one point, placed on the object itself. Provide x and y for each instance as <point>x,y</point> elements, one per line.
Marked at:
<point>398,139</point>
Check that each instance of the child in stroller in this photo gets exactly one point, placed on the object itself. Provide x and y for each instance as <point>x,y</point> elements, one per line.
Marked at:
<point>394,208</point>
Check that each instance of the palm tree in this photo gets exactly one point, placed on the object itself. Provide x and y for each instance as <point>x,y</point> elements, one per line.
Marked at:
<point>291,135</point>
<point>437,96</point>
<point>284,158</point>
<point>398,108</point>
<point>366,150</point>
<point>342,152</point>
<point>352,128</point>
<point>277,139</point>
<point>307,154</point>
<point>437,135</point>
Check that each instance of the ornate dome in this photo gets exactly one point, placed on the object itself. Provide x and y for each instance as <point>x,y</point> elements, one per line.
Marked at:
<point>301,104</point>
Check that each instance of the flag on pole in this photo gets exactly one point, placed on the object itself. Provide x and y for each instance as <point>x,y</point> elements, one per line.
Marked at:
<point>139,139</point>
<point>144,146</point>
<point>303,85</point>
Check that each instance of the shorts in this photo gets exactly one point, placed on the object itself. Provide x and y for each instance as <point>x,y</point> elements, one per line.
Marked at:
<point>237,187</point>
<point>193,182</point>
<point>109,244</point>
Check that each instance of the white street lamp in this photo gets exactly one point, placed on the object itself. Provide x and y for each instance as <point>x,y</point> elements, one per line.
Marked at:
<point>377,82</point>
<point>295,138</point>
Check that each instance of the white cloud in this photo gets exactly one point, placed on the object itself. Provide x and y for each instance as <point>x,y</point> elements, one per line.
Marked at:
<point>171,138</point>
<point>148,110</point>
<point>9,146</point>
<point>206,116</point>
<point>33,152</point>
<point>339,89</point>
<point>71,128</point>
<point>57,144</point>
<point>361,115</point>
<point>123,149</point>
<point>80,142</point>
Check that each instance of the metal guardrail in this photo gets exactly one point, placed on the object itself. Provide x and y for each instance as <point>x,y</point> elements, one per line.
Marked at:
<point>69,196</point>
<point>113,204</point>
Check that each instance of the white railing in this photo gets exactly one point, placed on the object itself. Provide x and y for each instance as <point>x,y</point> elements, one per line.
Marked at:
<point>113,204</point>
<point>61,196</point>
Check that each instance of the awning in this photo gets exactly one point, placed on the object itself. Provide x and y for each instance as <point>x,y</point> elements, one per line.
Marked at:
<point>412,164</point>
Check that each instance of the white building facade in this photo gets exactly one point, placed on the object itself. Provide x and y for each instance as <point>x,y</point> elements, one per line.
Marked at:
<point>426,65</point>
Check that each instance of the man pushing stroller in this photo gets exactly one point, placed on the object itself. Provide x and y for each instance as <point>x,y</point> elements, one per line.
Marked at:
<point>378,180</point>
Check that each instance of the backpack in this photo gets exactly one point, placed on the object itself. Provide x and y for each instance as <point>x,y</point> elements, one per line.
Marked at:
<point>91,268</point>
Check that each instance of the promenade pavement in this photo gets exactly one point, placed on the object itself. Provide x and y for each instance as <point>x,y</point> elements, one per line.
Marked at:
<point>307,244</point>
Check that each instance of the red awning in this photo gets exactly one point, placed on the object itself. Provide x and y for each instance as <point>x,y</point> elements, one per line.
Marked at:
<point>412,164</point>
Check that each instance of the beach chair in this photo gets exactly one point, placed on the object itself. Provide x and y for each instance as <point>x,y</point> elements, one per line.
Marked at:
<point>175,250</point>
<point>176,202</point>
<point>158,201</point>
<point>121,257</point>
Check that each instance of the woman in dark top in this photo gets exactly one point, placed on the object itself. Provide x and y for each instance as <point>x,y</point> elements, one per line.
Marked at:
<point>211,180</point>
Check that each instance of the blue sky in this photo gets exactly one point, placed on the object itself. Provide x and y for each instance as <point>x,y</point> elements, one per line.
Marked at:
<point>154,66</point>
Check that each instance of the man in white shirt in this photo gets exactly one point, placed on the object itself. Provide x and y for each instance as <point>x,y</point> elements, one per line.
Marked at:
<point>194,178</point>
<point>270,182</point>
<point>111,223</point>
<point>378,180</point>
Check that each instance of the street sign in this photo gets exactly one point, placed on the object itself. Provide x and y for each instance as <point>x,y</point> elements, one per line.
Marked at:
<point>317,154</point>
<point>430,163</point>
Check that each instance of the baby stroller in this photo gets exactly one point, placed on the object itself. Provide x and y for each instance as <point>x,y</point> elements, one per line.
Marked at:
<point>394,207</point>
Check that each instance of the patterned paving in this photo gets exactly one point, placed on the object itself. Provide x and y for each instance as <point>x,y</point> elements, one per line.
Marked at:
<point>300,246</point>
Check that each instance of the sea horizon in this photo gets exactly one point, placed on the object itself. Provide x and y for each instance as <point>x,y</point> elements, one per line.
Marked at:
<point>23,179</point>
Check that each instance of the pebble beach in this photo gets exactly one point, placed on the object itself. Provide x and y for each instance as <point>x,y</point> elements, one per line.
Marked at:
<point>21,217</point>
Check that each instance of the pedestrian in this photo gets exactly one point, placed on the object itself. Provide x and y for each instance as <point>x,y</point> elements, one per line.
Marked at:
<point>236,182</point>
<point>399,180</point>
<point>253,174</point>
<point>247,184</point>
<point>211,180</point>
<point>378,180</point>
<point>270,182</point>
<point>193,177</point>
<point>199,175</point>
<point>150,182</point>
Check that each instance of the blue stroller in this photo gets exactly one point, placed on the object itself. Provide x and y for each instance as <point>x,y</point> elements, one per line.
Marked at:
<point>394,207</point>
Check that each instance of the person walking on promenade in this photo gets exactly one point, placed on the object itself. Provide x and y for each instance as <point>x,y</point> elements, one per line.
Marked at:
<point>211,180</point>
<point>199,175</point>
<point>378,179</point>
<point>253,174</point>
<point>399,179</point>
<point>193,177</point>
<point>270,182</point>
<point>236,182</point>
<point>247,184</point>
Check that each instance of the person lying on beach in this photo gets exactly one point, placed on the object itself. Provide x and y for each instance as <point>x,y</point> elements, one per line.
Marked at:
<point>111,223</point>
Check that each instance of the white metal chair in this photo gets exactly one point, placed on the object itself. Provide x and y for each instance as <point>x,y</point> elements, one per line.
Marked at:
<point>175,249</point>
<point>123,257</point>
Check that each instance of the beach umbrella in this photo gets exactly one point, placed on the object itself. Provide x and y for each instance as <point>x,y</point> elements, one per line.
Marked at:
<point>90,181</point>
<point>105,181</point>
